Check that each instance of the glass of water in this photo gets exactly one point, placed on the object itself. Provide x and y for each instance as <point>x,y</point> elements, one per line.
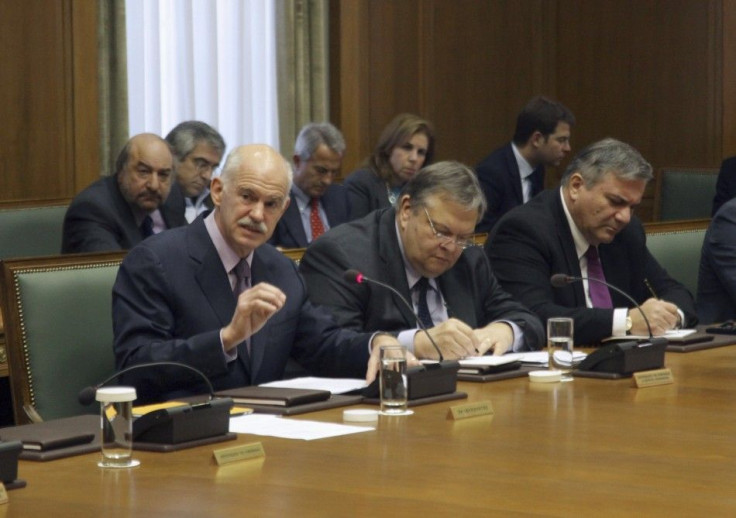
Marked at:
<point>393,381</point>
<point>560,346</point>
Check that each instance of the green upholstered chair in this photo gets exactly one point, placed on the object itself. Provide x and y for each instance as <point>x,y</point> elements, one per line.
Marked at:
<point>58,326</point>
<point>676,246</point>
<point>31,232</point>
<point>682,194</point>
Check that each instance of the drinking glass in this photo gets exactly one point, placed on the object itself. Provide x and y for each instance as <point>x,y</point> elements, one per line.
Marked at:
<point>560,346</point>
<point>116,416</point>
<point>393,381</point>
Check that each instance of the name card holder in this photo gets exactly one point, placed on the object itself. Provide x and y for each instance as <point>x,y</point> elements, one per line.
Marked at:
<point>470,410</point>
<point>251,450</point>
<point>653,378</point>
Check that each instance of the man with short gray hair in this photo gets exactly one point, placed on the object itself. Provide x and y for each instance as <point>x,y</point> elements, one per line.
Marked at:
<point>423,248</point>
<point>316,203</point>
<point>587,229</point>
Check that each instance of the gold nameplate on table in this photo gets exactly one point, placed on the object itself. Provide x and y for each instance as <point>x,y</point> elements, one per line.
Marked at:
<point>3,494</point>
<point>471,410</point>
<point>236,453</point>
<point>653,378</point>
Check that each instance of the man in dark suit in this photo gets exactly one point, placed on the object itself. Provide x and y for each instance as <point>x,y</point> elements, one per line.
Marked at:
<point>586,228</point>
<point>213,295</point>
<point>198,150</point>
<point>316,203</point>
<point>514,173</point>
<point>716,300</point>
<point>725,185</point>
<point>422,248</point>
<point>117,212</point>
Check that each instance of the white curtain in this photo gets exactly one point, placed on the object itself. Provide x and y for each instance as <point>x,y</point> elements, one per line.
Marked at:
<point>208,60</point>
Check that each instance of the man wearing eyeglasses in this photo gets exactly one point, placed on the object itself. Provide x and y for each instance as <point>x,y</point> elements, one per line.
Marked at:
<point>198,149</point>
<point>119,211</point>
<point>586,228</point>
<point>423,248</point>
<point>317,204</point>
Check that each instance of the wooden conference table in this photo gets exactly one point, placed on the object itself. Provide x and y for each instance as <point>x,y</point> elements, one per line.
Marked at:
<point>585,448</point>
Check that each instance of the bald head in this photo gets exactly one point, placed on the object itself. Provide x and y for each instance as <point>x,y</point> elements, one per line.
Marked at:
<point>251,195</point>
<point>144,169</point>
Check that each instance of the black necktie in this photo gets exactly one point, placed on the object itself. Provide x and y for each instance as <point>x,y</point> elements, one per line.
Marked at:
<point>422,308</point>
<point>242,276</point>
<point>147,227</point>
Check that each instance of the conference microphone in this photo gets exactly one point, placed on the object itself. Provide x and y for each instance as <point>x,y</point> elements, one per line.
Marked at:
<point>356,276</point>
<point>87,394</point>
<point>560,280</point>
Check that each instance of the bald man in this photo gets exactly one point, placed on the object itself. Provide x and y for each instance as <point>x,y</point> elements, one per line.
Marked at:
<point>216,296</point>
<point>117,212</point>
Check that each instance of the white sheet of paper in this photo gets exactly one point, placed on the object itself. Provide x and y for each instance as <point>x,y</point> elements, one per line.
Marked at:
<point>276,426</point>
<point>334,385</point>
<point>484,361</point>
<point>672,333</point>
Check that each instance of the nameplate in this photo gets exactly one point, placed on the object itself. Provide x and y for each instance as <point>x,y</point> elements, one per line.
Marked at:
<point>653,378</point>
<point>236,453</point>
<point>471,410</point>
<point>3,494</point>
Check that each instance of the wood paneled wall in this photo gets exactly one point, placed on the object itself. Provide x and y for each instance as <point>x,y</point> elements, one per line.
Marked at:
<point>48,88</point>
<point>654,73</point>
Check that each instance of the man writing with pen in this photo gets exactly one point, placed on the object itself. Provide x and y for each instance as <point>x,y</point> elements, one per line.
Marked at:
<point>587,229</point>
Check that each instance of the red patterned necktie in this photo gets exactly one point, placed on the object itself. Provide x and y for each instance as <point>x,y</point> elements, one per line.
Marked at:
<point>314,220</point>
<point>599,294</point>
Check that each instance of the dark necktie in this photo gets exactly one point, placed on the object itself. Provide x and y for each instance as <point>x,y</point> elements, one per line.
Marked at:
<point>422,308</point>
<point>599,294</point>
<point>315,221</point>
<point>242,277</point>
<point>147,227</point>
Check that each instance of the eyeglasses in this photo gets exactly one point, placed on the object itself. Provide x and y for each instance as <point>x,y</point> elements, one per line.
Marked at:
<point>445,239</point>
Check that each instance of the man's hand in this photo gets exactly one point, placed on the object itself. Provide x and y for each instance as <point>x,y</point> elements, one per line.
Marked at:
<point>662,317</point>
<point>255,306</point>
<point>374,362</point>
<point>454,338</point>
<point>497,337</point>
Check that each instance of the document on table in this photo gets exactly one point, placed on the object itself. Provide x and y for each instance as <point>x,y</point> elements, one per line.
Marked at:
<point>334,385</point>
<point>671,334</point>
<point>275,426</point>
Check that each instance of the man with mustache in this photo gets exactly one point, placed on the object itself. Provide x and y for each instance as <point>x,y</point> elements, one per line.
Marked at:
<point>587,228</point>
<point>119,211</point>
<point>317,204</point>
<point>422,247</point>
<point>216,296</point>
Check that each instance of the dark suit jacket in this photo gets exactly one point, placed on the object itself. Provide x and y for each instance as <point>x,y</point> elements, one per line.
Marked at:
<point>534,241</point>
<point>366,192</point>
<point>500,180</point>
<point>175,202</point>
<point>716,300</point>
<point>725,185</point>
<point>370,245</point>
<point>289,232</point>
<point>172,296</point>
<point>99,219</point>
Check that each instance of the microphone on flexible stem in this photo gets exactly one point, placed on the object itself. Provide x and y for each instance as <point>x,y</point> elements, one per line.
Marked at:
<point>87,394</point>
<point>560,280</point>
<point>356,276</point>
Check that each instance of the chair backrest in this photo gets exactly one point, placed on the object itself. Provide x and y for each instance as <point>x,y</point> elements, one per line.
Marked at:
<point>684,193</point>
<point>31,232</point>
<point>676,246</point>
<point>58,328</point>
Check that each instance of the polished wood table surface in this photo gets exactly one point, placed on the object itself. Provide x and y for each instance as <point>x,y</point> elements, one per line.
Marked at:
<point>585,448</point>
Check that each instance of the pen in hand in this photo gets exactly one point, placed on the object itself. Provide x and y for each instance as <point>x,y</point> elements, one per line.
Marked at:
<point>649,287</point>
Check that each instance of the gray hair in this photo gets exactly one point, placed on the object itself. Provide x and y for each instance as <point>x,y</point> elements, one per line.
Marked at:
<point>186,135</point>
<point>447,179</point>
<point>608,156</point>
<point>315,134</point>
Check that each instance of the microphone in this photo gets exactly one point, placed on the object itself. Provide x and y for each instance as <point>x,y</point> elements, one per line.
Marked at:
<point>356,276</point>
<point>87,394</point>
<point>559,280</point>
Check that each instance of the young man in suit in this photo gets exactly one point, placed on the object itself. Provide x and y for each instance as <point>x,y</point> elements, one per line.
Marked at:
<point>422,248</point>
<point>317,204</point>
<point>119,211</point>
<point>587,228</point>
<point>216,296</point>
<point>514,173</point>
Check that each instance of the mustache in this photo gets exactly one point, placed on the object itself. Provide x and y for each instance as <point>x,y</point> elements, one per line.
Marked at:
<point>256,226</point>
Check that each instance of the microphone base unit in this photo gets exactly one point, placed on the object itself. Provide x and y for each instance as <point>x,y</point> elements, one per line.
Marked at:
<point>432,379</point>
<point>627,357</point>
<point>182,424</point>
